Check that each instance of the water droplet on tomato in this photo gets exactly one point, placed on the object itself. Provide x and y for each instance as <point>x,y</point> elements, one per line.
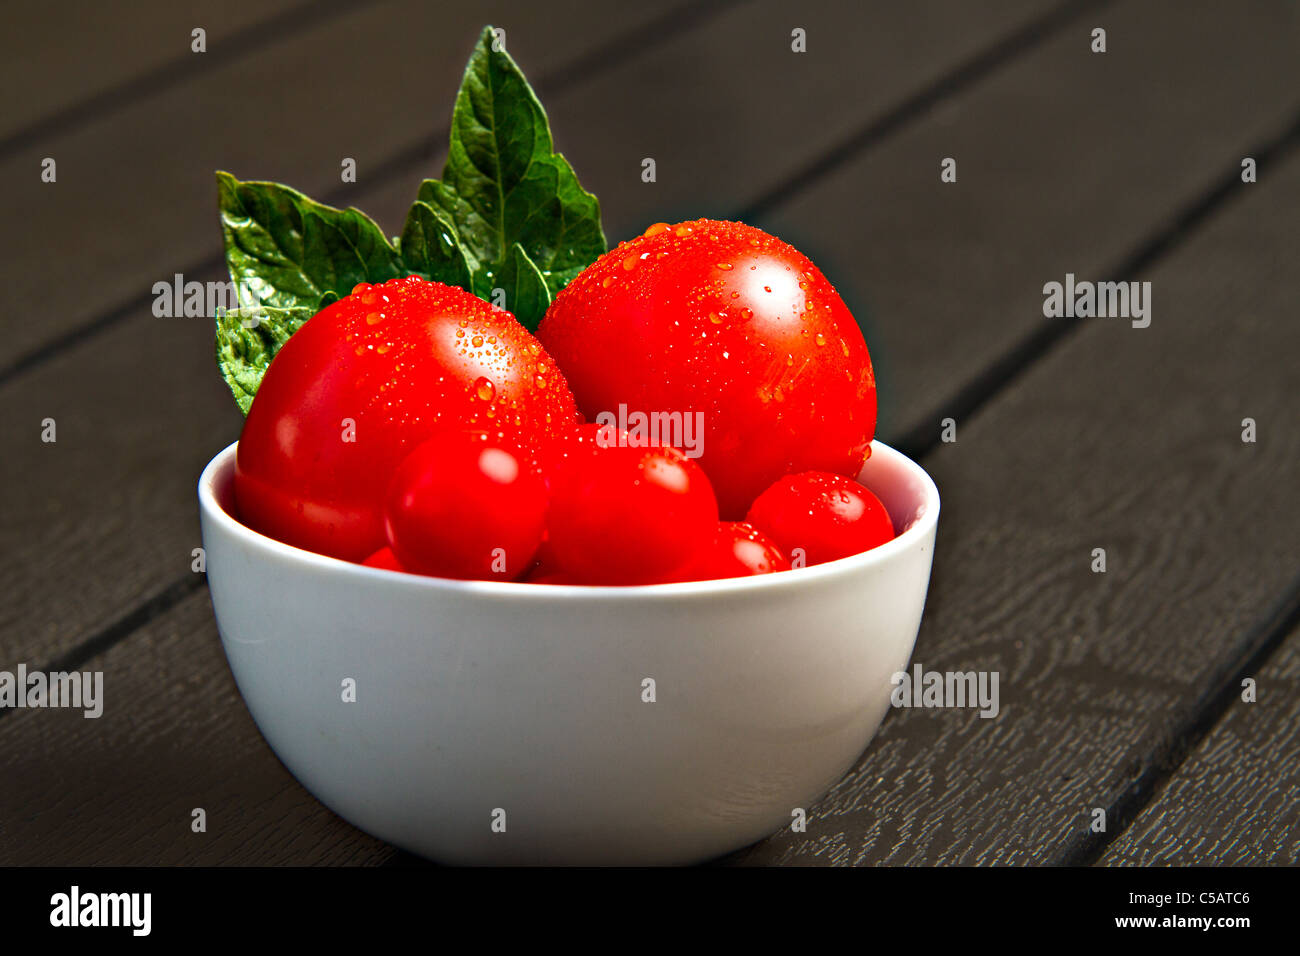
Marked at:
<point>655,229</point>
<point>604,283</point>
<point>629,263</point>
<point>725,266</point>
<point>484,388</point>
<point>715,318</point>
<point>374,318</point>
<point>819,339</point>
<point>682,231</point>
<point>476,341</point>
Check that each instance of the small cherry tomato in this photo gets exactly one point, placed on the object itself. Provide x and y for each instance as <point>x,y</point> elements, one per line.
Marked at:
<point>738,550</point>
<point>818,516</point>
<point>465,505</point>
<point>622,514</point>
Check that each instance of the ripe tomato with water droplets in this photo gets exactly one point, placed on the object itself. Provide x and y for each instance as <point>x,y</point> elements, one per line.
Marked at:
<point>465,505</point>
<point>739,550</point>
<point>722,319</point>
<point>623,514</point>
<point>821,516</point>
<point>365,381</point>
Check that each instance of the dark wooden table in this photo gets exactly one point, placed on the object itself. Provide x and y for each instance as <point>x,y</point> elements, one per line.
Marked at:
<point>1120,690</point>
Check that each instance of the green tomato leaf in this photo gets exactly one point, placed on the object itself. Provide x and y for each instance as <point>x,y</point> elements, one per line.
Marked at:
<point>287,251</point>
<point>431,249</point>
<point>508,219</point>
<point>504,184</point>
<point>526,294</point>
<point>247,339</point>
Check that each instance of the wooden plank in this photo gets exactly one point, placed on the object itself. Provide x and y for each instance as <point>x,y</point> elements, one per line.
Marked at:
<point>1066,160</point>
<point>174,736</point>
<point>730,112</point>
<point>142,409</point>
<point>1123,439</point>
<point>86,50</point>
<point>134,200</point>
<point>1236,799</point>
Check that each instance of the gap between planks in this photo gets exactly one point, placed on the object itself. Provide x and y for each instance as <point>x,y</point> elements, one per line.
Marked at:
<point>237,46</point>
<point>1266,638</point>
<point>979,390</point>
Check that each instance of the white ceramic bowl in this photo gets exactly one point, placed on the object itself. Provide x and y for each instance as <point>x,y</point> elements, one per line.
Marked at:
<point>483,703</point>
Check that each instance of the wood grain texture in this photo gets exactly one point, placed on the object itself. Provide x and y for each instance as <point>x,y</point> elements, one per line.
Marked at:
<point>729,112</point>
<point>1066,160</point>
<point>142,409</point>
<point>1124,439</point>
<point>69,52</point>
<point>1236,798</point>
<point>174,736</point>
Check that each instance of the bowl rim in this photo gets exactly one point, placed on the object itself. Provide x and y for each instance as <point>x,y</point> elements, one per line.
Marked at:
<point>222,464</point>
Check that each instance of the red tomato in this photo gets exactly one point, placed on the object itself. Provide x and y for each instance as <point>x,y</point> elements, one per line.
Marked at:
<point>738,550</point>
<point>723,319</point>
<point>580,440</point>
<point>819,517</point>
<point>622,514</point>
<point>384,558</point>
<point>465,506</point>
<point>366,380</point>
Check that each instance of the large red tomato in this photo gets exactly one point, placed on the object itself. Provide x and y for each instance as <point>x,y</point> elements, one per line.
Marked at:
<point>365,381</point>
<point>724,319</point>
